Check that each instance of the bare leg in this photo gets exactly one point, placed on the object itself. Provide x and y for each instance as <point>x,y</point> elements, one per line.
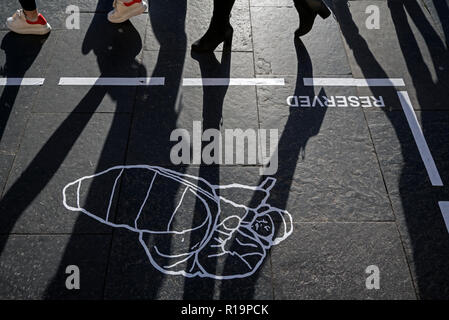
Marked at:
<point>31,15</point>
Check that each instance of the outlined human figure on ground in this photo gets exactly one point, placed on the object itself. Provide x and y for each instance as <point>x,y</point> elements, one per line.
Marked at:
<point>224,222</point>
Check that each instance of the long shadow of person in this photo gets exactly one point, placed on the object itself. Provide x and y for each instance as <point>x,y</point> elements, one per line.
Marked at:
<point>442,10</point>
<point>116,48</point>
<point>156,112</point>
<point>21,52</point>
<point>426,240</point>
<point>432,92</point>
<point>430,89</point>
<point>49,158</point>
<point>213,100</point>
<point>302,124</point>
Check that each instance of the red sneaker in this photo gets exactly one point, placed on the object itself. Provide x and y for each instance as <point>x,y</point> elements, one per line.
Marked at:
<point>18,23</point>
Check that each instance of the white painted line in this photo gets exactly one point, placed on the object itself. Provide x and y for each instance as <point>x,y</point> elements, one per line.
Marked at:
<point>103,81</point>
<point>420,140</point>
<point>189,82</point>
<point>351,82</point>
<point>21,81</point>
<point>444,207</point>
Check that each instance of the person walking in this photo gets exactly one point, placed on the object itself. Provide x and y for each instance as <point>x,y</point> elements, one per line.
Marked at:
<point>29,21</point>
<point>220,29</point>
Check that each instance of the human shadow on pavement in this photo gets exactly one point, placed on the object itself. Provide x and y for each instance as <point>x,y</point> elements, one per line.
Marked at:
<point>50,157</point>
<point>414,201</point>
<point>302,124</point>
<point>130,274</point>
<point>102,38</point>
<point>212,118</point>
<point>116,48</point>
<point>442,10</point>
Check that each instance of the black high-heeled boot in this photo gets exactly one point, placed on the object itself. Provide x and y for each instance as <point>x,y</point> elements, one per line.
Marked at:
<point>308,10</point>
<point>215,35</point>
<point>220,29</point>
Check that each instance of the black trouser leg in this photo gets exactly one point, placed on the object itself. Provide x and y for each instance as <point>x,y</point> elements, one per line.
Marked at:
<point>222,11</point>
<point>220,29</point>
<point>28,5</point>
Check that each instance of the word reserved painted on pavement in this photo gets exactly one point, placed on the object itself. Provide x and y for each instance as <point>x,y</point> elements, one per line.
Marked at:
<point>336,101</point>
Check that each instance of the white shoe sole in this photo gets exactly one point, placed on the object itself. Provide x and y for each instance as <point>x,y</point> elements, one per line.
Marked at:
<point>32,30</point>
<point>132,13</point>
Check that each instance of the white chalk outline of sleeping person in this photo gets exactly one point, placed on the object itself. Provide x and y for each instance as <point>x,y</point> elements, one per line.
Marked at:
<point>247,227</point>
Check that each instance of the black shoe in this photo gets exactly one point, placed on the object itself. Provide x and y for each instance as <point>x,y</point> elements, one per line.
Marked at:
<point>308,10</point>
<point>213,38</point>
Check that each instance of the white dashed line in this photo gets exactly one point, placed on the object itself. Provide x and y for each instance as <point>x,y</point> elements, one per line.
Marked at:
<point>103,81</point>
<point>351,82</point>
<point>21,81</point>
<point>233,82</point>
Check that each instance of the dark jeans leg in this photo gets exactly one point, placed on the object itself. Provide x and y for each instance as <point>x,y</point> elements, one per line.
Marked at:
<point>28,5</point>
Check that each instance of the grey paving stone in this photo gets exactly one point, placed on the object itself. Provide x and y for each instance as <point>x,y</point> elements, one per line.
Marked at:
<point>5,166</point>
<point>189,21</point>
<point>327,164</point>
<point>58,149</point>
<point>160,110</point>
<point>328,261</point>
<point>425,238</point>
<point>99,50</point>
<point>33,266</point>
<point>395,144</point>
<point>416,52</point>
<point>407,178</point>
<point>131,274</point>
<point>274,48</point>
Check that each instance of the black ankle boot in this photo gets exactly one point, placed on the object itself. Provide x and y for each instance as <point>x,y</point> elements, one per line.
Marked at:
<point>308,10</point>
<point>215,35</point>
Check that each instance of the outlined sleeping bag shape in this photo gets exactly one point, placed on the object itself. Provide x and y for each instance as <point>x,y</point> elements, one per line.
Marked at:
<point>160,205</point>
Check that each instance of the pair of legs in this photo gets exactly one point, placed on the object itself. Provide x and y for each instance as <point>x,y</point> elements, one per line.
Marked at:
<point>30,21</point>
<point>220,29</point>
